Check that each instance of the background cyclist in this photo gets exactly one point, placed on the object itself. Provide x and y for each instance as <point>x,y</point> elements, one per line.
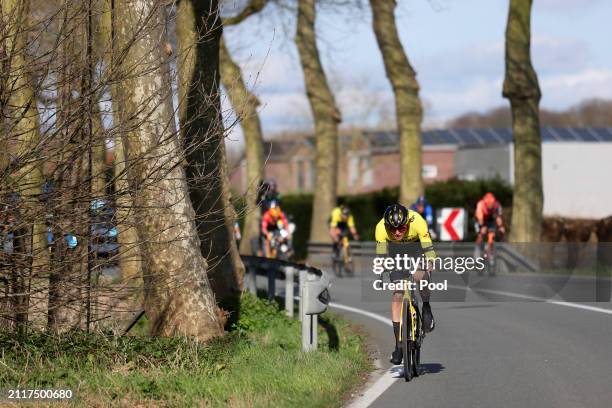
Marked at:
<point>399,225</point>
<point>426,211</point>
<point>488,216</point>
<point>341,223</point>
<point>272,219</point>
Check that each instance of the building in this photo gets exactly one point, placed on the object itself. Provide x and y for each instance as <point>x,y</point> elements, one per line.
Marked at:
<point>576,163</point>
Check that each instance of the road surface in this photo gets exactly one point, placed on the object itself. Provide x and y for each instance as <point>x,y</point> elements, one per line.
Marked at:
<point>496,346</point>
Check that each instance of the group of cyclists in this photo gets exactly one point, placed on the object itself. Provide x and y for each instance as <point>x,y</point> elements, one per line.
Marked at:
<point>415,224</point>
<point>398,225</point>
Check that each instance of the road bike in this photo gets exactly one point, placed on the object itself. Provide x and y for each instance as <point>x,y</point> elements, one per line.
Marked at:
<point>411,331</point>
<point>342,259</point>
<point>488,253</point>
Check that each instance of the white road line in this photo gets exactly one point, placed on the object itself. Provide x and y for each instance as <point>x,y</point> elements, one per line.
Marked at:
<point>386,380</point>
<point>528,297</point>
<point>371,315</point>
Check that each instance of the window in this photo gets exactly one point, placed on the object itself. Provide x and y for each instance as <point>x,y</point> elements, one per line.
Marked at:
<point>299,165</point>
<point>353,171</point>
<point>430,171</point>
<point>367,174</point>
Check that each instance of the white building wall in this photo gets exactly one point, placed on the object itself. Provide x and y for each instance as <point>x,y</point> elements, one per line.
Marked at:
<point>577,179</point>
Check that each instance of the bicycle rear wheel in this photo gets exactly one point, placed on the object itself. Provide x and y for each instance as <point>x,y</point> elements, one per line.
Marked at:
<point>407,344</point>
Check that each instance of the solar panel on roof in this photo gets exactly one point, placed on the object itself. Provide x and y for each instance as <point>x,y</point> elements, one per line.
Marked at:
<point>593,133</point>
<point>466,137</point>
<point>448,136</point>
<point>505,134</point>
<point>564,134</point>
<point>427,138</point>
<point>583,135</point>
<point>489,136</point>
<point>548,135</point>
<point>605,133</point>
<point>453,135</point>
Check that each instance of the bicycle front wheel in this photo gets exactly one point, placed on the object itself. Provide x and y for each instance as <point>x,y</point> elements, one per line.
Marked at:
<point>346,259</point>
<point>407,344</point>
<point>416,350</point>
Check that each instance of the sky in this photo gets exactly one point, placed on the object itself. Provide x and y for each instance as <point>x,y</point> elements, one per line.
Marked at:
<point>456,47</point>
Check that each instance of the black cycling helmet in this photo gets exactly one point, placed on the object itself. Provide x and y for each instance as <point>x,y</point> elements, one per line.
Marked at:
<point>396,215</point>
<point>345,211</point>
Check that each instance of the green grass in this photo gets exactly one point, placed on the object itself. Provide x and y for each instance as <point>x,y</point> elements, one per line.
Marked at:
<point>258,364</point>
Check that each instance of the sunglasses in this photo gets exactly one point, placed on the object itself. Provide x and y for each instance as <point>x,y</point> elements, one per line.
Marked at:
<point>401,229</point>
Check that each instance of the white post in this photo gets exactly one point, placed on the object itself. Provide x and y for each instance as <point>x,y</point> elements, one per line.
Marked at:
<point>309,322</point>
<point>302,279</point>
<point>289,272</point>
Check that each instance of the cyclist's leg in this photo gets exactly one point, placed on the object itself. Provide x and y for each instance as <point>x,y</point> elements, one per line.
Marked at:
<point>491,229</point>
<point>268,250</point>
<point>428,319</point>
<point>490,241</point>
<point>334,233</point>
<point>396,308</point>
<point>481,233</point>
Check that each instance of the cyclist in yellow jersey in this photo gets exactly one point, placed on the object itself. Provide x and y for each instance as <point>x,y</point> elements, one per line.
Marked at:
<point>401,225</point>
<point>341,222</point>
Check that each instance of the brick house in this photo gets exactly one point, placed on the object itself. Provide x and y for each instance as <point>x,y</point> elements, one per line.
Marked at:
<point>368,161</point>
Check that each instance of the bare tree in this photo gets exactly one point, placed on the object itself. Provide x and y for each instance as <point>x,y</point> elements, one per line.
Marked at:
<point>20,114</point>
<point>522,89</point>
<point>198,32</point>
<point>129,257</point>
<point>178,296</point>
<point>408,109</point>
<point>326,117</point>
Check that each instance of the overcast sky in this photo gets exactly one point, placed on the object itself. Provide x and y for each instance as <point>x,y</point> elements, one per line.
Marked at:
<point>456,47</point>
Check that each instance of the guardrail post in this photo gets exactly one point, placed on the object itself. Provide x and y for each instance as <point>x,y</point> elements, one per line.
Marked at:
<point>289,272</point>
<point>271,282</point>
<point>302,280</point>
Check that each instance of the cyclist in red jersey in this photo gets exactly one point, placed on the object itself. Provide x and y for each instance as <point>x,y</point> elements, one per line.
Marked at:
<point>489,220</point>
<point>269,222</point>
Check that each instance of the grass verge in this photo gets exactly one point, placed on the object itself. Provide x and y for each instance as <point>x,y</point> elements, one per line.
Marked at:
<point>258,364</point>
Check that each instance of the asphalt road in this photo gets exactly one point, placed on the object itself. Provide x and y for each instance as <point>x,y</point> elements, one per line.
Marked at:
<point>491,348</point>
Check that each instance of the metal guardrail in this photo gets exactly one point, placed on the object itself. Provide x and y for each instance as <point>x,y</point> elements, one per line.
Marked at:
<point>313,285</point>
<point>313,290</point>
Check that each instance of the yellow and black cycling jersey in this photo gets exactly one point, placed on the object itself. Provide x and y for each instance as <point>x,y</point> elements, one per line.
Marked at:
<point>417,231</point>
<point>337,221</point>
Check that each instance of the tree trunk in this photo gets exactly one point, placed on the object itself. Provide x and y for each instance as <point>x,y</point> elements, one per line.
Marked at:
<point>522,89</point>
<point>178,297</point>
<point>25,133</point>
<point>408,110</point>
<point>245,105</point>
<point>129,256</point>
<point>326,118</point>
<point>198,35</point>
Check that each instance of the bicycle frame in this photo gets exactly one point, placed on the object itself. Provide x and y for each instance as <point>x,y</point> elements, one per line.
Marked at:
<point>409,295</point>
<point>345,250</point>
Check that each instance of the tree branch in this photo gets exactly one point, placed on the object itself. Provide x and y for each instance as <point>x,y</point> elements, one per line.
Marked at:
<point>254,7</point>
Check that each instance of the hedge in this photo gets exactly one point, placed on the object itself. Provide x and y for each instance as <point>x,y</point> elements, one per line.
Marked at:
<point>368,208</point>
